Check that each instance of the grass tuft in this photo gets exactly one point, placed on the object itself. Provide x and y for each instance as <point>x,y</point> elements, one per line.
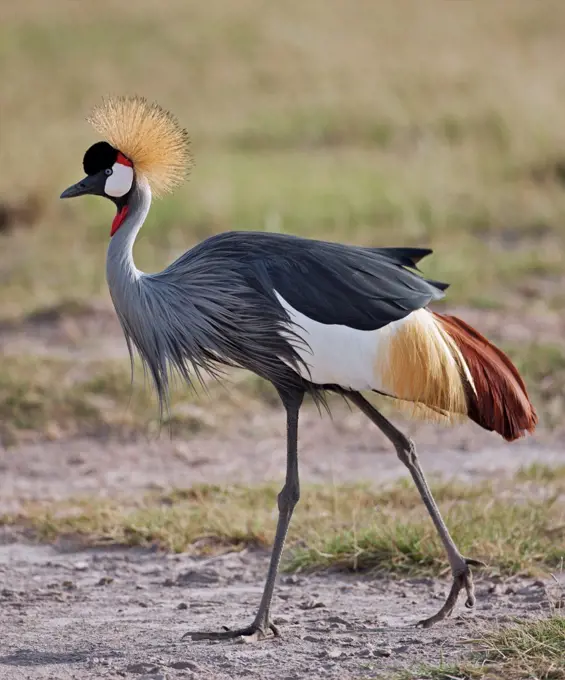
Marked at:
<point>346,527</point>
<point>532,650</point>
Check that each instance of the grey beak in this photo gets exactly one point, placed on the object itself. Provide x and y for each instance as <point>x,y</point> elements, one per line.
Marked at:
<point>87,185</point>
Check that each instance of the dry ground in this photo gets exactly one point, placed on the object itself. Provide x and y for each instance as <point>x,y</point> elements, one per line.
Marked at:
<point>431,124</point>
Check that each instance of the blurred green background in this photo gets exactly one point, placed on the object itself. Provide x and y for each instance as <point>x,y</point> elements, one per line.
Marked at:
<point>383,123</point>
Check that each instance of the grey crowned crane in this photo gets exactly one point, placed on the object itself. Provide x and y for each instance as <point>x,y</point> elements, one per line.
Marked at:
<point>309,316</point>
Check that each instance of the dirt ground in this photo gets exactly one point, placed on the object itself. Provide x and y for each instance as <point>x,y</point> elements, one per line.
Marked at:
<point>69,613</point>
<point>114,614</point>
<point>122,613</point>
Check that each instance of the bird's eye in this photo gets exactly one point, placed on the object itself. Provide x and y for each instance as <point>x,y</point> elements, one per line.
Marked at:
<point>108,171</point>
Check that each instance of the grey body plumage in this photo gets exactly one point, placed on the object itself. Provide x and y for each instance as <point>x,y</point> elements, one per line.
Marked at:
<point>216,304</point>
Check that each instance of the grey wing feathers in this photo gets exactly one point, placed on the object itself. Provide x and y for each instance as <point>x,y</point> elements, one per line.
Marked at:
<point>361,288</point>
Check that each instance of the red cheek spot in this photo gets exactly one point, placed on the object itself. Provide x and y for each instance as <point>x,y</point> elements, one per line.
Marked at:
<point>118,220</point>
<point>123,160</point>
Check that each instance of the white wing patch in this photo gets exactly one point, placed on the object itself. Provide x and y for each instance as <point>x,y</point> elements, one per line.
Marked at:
<point>339,355</point>
<point>120,181</point>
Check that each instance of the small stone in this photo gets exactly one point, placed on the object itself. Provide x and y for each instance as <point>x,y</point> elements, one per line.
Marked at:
<point>184,665</point>
<point>154,676</point>
<point>168,583</point>
<point>194,577</point>
<point>334,653</point>
<point>496,590</point>
<point>366,653</point>
<point>105,580</point>
<point>312,638</point>
<point>182,605</point>
<point>145,668</point>
<point>80,566</point>
<point>290,580</point>
<point>140,603</point>
<point>338,619</point>
<point>311,604</point>
<point>68,585</point>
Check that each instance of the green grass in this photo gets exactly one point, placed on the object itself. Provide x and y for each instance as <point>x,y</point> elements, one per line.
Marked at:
<point>50,398</point>
<point>373,141</point>
<point>347,527</point>
<point>533,650</point>
<point>541,473</point>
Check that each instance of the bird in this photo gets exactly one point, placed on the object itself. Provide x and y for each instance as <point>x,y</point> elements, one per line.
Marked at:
<point>312,317</point>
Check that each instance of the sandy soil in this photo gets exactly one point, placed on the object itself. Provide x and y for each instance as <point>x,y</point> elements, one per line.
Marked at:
<point>122,613</point>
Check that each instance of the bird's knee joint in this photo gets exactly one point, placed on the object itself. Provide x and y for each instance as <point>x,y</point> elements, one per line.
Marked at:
<point>407,453</point>
<point>288,498</point>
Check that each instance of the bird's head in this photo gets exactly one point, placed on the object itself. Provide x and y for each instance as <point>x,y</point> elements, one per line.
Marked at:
<point>142,140</point>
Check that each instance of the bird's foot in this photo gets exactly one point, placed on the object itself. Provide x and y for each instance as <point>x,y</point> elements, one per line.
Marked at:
<point>253,633</point>
<point>462,579</point>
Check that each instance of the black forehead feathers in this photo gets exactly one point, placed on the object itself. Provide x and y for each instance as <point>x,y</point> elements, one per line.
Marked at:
<point>99,157</point>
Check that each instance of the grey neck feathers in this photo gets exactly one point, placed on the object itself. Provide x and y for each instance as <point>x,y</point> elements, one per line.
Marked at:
<point>122,275</point>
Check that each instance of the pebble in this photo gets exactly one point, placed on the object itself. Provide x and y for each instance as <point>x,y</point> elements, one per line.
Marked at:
<point>80,566</point>
<point>312,604</point>
<point>182,605</point>
<point>184,665</point>
<point>334,653</point>
<point>338,619</point>
<point>366,653</point>
<point>496,590</point>
<point>290,580</point>
<point>105,581</point>
<point>145,668</point>
<point>195,577</point>
<point>525,590</point>
<point>312,638</point>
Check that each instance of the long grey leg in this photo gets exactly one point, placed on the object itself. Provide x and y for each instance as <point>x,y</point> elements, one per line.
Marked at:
<point>406,451</point>
<point>287,500</point>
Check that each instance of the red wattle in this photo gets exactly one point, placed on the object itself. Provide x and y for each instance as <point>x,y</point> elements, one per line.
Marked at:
<point>118,220</point>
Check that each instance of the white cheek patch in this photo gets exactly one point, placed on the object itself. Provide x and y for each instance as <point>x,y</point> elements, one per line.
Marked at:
<point>120,181</point>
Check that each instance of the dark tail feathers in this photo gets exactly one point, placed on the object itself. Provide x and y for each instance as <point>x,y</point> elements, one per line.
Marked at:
<point>500,401</point>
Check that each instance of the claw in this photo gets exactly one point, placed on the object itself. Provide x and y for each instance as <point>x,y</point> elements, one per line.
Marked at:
<point>461,579</point>
<point>252,633</point>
